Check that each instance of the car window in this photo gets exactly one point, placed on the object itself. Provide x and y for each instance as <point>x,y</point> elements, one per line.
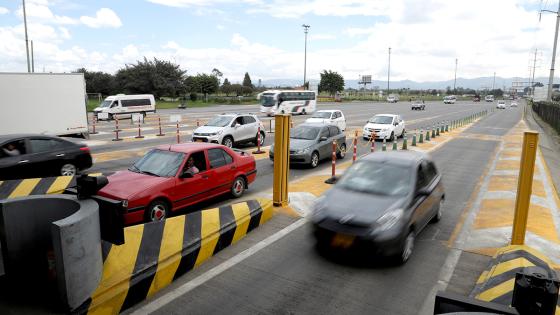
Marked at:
<point>13,148</point>
<point>228,157</point>
<point>157,162</point>
<point>420,178</point>
<point>216,158</point>
<point>376,178</point>
<point>238,120</point>
<point>334,131</point>
<point>324,132</point>
<point>44,145</point>
<point>199,160</point>
<point>248,120</point>
<point>429,170</point>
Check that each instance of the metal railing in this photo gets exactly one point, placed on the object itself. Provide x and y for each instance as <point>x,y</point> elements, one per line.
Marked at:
<point>549,112</point>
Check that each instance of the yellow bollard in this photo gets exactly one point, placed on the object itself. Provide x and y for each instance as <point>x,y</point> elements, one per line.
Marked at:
<point>524,187</point>
<point>281,160</point>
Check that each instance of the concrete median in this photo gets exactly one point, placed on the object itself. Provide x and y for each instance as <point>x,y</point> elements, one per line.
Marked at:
<point>37,186</point>
<point>157,253</point>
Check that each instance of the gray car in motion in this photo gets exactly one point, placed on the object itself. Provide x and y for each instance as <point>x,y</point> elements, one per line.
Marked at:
<point>380,205</point>
<point>311,143</point>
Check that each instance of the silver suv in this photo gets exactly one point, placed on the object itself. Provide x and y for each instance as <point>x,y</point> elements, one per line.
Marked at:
<point>230,130</point>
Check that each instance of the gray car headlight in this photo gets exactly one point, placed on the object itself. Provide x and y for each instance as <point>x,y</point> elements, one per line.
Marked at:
<point>389,219</point>
<point>301,151</point>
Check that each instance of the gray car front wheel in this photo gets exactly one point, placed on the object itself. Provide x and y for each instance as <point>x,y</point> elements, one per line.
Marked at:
<point>314,159</point>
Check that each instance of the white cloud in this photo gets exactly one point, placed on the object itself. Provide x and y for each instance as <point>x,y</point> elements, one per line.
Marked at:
<point>4,10</point>
<point>321,37</point>
<point>220,27</point>
<point>103,18</point>
<point>39,12</point>
<point>64,33</point>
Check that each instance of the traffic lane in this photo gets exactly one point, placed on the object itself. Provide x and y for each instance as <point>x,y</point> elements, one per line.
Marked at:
<point>289,276</point>
<point>497,124</point>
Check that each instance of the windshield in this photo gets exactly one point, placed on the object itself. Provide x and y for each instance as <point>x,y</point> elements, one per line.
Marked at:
<point>377,178</point>
<point>219,121</point>
<point>304,133</point>
<point>159,163</point>
<point>267,100</point>
<point>325,115</point>
<point>381,120</point>
<point>105,103</point>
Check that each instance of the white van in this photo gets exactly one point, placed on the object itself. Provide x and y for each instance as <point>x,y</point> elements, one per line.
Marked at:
<point>123,106</point>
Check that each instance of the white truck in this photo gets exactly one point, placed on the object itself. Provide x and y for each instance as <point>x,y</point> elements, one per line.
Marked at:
<point>43,103</point>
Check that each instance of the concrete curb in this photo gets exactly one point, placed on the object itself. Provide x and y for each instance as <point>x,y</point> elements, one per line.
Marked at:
<point>496,282</point>
<point>155,254</point>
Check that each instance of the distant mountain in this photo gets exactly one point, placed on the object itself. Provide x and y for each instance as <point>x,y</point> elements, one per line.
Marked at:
<point>474,83</point>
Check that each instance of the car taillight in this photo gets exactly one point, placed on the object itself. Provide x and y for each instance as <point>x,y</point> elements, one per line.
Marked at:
<point>84,149</point>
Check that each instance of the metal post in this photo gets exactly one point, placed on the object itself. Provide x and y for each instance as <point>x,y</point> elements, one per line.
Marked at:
<point>372,142</point>
<point>117,130</point>
<point>551,77</point>
<point>333,168</point>
<point>178,138</point>
<point>93,123</point>
<point>524,187</point>
<point>259,151</point>
<point>389,71</point>
<point>32,58</point>
<point>139,136</point>
<point>355,153</point>
<point>305,30</point>
<point>159,123</point>
<point>281,160</point>
<point>455,80</point>
<point>26,39</point>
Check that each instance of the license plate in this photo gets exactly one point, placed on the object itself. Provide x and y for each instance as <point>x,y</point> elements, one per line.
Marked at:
<point>342,240</point>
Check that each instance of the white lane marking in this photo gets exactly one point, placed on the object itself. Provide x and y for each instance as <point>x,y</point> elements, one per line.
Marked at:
<point>208,275</point>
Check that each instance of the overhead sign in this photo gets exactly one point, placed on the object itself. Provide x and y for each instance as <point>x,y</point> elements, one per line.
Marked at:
<point>175,118</point>
<point>365,79</point>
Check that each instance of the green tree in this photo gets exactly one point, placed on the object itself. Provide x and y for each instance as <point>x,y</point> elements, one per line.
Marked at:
<point>331,82</point>
<point>226,87</point>
<point>203,83</point>
<point>98,82</point>
<point>217,73</point>
<point>497,92</point>
<point>247,81</point>
<point>158,77</point>
<point>237,89</point>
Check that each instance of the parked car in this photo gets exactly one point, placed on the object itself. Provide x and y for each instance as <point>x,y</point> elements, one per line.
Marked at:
<point>489,98</point>
<point>501,104</point>
<point>231,130</point>
<point>385,126</point>
<point>330,117</point>
<point>311,143</point>
<point>30,156</point>
<point>164,180</point>
<point>450,99</point>
<point>380,205</point>
<point>418,105</point>
<point>392,98</point>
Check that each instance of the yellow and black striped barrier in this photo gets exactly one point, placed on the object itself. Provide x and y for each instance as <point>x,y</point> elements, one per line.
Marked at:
<point>155,254</point>
<point>37,186</point>
<point>496,283</point>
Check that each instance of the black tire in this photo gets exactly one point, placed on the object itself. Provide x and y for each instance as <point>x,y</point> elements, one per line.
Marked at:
<point>110,117</point>
<point>263,136</point>
<point>303,112</point>
<point>342,153</point>
<point>68,169</point>
<point>228,141</point>
<point>439,212</point>
<point>402,133</point>
<point>314,159</point>
<point>407,248</point>
<point>392,137</point>
<point>238,187</point>
<point>157,210</point>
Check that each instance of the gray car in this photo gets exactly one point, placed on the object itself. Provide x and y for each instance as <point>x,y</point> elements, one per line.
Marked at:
<point>310,143</point>
<point>380,205</point>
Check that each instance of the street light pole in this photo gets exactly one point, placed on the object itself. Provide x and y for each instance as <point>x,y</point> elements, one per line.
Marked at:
<point>494,81</point>
<point>389,71</point>
<point>455,79</point>
<point>551,77</point>
<point>32,58</point>
<point>305,30</point>
<point>532,89</point>
<point>26,40</point>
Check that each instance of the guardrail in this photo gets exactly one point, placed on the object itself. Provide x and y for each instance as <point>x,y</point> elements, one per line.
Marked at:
<point>549,112</point>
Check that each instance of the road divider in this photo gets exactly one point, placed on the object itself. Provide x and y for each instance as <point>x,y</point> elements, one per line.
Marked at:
<point>38,186</point>
<point>157,253</point>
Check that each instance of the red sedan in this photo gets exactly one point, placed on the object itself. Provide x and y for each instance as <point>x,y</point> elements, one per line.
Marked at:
<point>175,176</point>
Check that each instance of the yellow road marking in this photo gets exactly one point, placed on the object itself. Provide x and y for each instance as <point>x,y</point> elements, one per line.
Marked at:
<point>209,234</point>
<point>24,188</point>
<point>169,253</point>
<point>496,291</point>
<point>508,266</point>
<point>242,218</point>
<point>117,270</point>
<point>59,185</point>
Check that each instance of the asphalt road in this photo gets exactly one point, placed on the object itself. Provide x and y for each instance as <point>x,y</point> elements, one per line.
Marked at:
<point>290,277</point>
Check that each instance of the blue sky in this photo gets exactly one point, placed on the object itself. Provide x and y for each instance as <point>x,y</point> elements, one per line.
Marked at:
<point>266,39</point>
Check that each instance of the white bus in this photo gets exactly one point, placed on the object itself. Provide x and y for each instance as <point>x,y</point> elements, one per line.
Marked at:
<point>123,106</point>
<point>287,101</point>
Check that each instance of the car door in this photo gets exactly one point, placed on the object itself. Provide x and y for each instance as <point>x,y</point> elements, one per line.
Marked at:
<point>221,170</point>
<point>238,130</point>
<point>335,134</point>
<point>400,125</point>
<point>16,165</point>
<point>190,190</point>
<point>435,190</point>
<point>420,202</point>
<point>251,126</point>
<point>325,147</point>
<point>341,121</point>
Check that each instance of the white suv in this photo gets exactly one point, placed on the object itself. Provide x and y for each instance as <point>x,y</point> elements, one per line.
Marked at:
<point>385,126</point>
<point>330,117</point>
<point>231,129</point>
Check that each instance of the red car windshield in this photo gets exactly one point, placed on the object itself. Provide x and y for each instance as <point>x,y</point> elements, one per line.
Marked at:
<point>159,163</point>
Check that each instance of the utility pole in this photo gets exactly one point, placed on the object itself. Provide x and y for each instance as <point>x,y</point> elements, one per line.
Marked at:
<point>26,40</point>
<point>455,80</point>
<point>551,77</point>
<point>305,30</point>
<point>389,71</point>
<point>32,58</point>
<point>532,89</point>
<point>494,81</point>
